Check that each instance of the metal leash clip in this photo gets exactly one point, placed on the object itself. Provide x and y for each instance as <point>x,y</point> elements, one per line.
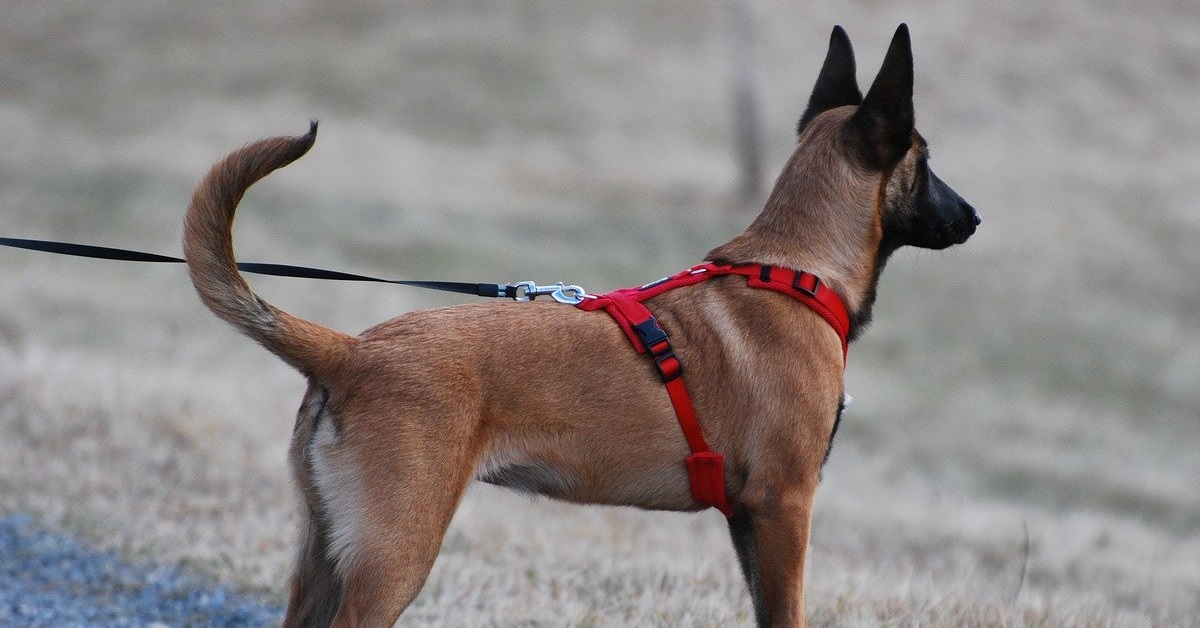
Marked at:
<point>563,293</point>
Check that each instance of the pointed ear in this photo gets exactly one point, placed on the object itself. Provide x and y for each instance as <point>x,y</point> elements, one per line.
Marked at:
<point>836,85</point>
<point>885,119</point>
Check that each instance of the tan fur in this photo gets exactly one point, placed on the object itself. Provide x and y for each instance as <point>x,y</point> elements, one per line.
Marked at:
<point>797,229</point>
<point>398,420</point>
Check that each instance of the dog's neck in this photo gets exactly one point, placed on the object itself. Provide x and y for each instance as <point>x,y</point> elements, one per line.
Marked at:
<point>821,217</point>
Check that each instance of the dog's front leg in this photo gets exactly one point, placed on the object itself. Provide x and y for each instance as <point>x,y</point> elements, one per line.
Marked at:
<point>770,535</point>
<point>741,530</point>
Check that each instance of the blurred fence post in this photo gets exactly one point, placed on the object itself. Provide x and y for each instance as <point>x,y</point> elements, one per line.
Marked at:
<point>747,110</point>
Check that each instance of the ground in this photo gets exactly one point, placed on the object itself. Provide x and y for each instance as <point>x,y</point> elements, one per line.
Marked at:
<point>1021,449</point>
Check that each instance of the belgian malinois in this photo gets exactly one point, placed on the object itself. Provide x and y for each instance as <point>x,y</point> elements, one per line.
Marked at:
<point>398,420</point>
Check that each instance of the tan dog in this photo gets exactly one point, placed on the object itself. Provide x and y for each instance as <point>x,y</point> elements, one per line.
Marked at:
<point>398,420</point>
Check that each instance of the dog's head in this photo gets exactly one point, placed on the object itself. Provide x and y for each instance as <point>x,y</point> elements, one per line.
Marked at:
<point>915,207</point>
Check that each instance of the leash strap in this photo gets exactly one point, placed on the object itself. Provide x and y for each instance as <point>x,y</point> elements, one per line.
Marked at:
<point>278,270</point>
<point>706,468</point>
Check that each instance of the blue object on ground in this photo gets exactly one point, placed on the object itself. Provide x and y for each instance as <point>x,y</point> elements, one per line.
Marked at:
<point>51,579</point>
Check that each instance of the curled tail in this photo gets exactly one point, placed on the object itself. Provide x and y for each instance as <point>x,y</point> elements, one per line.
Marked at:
<point>312,349</point>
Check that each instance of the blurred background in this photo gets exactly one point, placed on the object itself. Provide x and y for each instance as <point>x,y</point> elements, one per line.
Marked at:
<point>1024,445</point>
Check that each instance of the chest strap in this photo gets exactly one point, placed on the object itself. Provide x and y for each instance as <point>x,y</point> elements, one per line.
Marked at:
<point>706,468</point>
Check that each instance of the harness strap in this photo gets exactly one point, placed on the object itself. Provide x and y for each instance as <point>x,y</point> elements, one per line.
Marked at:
<point>804,287</point>
<point>706,468</point>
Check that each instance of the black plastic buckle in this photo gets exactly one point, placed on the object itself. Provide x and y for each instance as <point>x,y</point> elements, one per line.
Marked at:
<point>658,345</point>
<point>668,376</point>
<point>651,334</point>
<point>799,288</point>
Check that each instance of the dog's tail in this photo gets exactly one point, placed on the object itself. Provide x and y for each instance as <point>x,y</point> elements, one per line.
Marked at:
<point>314,350</point>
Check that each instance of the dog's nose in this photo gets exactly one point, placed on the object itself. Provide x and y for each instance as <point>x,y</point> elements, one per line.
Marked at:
<point>973,216</point>
<point>969,221</point>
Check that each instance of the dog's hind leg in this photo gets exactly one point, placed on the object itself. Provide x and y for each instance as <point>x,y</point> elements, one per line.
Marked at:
<point>316,586</point>
<point>391,498</point>
<point>398,545</point>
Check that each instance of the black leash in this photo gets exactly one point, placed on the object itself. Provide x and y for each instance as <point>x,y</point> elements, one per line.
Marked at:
<point>511,291</point>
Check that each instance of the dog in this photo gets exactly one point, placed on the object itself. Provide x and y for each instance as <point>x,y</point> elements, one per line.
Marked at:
<point>397,421</point>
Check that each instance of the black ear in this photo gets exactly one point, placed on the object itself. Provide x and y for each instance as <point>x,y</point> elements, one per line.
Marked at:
<point>885,118</point>
<point>836,85</point>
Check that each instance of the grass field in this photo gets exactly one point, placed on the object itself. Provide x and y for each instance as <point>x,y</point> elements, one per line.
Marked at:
<point>1024,447</point>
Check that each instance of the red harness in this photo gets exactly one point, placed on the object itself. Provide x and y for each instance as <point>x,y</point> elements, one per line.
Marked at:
<point>706,468</point>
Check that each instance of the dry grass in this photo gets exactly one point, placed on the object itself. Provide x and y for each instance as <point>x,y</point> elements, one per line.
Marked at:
<point>1041,378</point>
